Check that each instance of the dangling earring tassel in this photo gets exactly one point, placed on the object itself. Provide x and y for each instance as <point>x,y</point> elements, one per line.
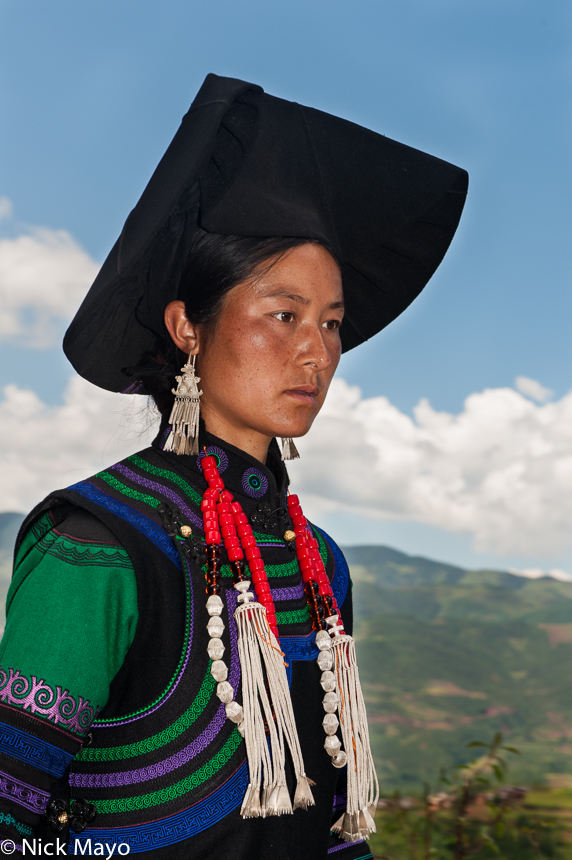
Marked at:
<point>289,450</point>
<point>267,705</point>
<point>363,788</point>
<point>184,418</point>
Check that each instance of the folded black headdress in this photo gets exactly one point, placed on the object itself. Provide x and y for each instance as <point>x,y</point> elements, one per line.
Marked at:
<point>249,164</point>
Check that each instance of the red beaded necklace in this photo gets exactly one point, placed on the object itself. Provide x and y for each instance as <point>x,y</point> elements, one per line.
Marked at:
<point>267,706</point>
<point>225,521</point>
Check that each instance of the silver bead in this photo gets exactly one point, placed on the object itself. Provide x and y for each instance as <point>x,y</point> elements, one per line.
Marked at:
<point>234,712</point>
<point>219,670</point>
<point>328,681</point>
<point>214,605</point>
<point>323,640</point>
<point>340,760</point>
<point>332,744</point>
<point>225,692</point>
<point>325,660</point>
<point>330,702</point>
<point>215,626</point>
<point>215,649</point>
<point>330,724</point>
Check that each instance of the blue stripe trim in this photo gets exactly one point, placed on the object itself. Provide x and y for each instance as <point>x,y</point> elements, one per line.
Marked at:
<point>176,828</point>
<point>130,515</point>
<point>33,751</point>
<point>341,579</point>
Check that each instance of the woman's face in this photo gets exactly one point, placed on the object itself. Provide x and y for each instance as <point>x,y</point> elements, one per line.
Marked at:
<point>266,366</point>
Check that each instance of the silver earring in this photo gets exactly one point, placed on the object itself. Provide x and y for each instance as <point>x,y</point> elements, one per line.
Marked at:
<point>289,450</point>
<point>184,418</point>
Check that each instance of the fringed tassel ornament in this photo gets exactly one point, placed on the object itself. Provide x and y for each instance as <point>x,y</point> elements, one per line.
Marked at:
<point>267,705</point>
<point>184,418</point>
<point>363,788</point>
<point>289,450</point>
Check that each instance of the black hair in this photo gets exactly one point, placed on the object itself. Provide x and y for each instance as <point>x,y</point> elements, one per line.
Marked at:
<point>216,264</point>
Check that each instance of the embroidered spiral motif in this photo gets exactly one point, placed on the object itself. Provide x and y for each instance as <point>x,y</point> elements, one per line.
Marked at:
<point>218,454</point>
<point>254,483</point>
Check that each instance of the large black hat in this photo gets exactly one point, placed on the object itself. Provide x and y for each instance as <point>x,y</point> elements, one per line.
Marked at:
<point>249,164</point>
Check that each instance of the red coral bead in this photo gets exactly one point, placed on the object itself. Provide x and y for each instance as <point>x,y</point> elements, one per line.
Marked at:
<point>227,496</point>
<point>265,598</point>
<point>262,587</point>
<point>248,540</point>
<point>208,505</point>
<point>208,462</point>
<point>225,519</point>
<point>235,553</point>
<point>293,500</point>
<point>256,564</point>
<point>251,552</point>
<point>257,575</point>
<point>217,484</point>
<point>212,537</point>
<point>298,521</point>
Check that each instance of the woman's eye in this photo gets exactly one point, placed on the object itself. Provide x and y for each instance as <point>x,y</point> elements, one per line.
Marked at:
<point>331,325</point>
<point>285,316</point>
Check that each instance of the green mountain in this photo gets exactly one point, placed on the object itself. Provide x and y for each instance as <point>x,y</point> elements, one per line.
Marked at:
<point>448,656</point>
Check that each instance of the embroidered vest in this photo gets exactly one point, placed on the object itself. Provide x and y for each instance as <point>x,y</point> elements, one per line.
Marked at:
<point>165,769</point>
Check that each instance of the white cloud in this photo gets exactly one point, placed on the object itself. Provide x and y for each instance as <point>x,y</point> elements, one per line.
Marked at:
<point>538,572</point>
<point>43,278</point>
<point>5,208</point>
<point>501,470</point>
<point>44,448</point>
<point>532,388</point>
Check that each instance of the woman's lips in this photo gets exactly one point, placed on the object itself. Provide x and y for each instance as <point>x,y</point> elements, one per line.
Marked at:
<point>304,393</point>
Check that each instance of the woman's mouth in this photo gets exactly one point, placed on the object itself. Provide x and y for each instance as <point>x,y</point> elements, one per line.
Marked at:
<point>304,393</point>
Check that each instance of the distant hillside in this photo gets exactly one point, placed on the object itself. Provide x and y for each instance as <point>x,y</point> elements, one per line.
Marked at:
<point>448,656</point>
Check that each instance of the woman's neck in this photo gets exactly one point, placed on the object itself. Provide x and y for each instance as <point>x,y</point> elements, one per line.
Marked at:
<point>245,438</point>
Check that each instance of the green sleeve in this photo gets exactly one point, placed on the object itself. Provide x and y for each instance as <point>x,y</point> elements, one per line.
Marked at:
<point>71,610</point>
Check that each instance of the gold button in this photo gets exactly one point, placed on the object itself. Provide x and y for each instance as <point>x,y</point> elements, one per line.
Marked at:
<point>186,531</point>
<point>289,535</point>
<point>63,818</point>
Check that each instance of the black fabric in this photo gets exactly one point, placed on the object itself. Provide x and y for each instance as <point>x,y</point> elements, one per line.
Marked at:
<point>249,164</point>
<point>156,650</point>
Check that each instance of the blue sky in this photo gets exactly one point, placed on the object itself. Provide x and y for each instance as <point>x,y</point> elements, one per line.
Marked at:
<point>91,93</point>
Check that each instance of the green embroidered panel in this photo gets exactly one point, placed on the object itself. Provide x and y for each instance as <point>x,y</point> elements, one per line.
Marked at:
<point>293,616</point>
<point>272,570</point>
<point>127,491</point>
<point>186,719</point>
<point>170,476</point>
<point>164,795</point>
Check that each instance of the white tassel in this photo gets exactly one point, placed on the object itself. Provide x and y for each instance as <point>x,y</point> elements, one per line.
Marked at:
<point>363,788</point>
<point>289,450</point>
<point>184,418</point>
<point>267,701</point>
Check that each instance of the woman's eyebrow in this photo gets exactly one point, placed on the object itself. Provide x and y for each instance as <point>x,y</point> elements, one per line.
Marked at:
<point>284,294</point>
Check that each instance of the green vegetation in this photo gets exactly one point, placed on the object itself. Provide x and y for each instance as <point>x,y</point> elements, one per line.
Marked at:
<point>474,814</point>
<point>447,654</point>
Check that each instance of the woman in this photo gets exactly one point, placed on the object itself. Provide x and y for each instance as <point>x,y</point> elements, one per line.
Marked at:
<point>178,674</point>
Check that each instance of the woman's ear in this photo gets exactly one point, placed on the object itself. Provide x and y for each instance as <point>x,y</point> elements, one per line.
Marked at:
<point>183,332</point>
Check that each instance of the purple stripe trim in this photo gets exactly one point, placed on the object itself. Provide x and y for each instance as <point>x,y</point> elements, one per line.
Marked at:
<point>294,593</point>
<point>28,796</point>
<point>160,488</point>
<point>169,693</point>
<point>207,736</point>
<point>345,845</point>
